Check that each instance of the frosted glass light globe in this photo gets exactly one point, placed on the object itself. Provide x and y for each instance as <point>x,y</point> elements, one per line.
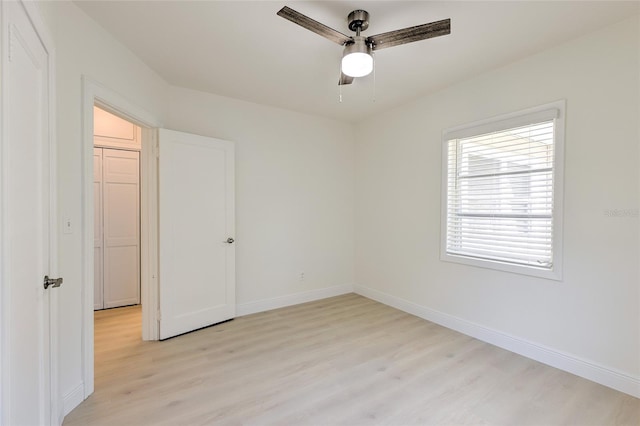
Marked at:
<point>357,60</point>
<point>357,64</point>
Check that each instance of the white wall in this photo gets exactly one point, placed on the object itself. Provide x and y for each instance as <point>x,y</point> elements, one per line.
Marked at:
<point>84,48</point>
<point>294,194</point>
<point>594,313</point>
<point>294,180</point>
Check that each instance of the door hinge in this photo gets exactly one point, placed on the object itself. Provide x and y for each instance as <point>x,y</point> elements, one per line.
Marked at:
<point>158,315</point>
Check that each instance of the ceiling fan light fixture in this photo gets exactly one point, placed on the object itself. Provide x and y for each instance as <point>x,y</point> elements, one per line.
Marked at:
<point>357,60</point>
<point>357,57</point>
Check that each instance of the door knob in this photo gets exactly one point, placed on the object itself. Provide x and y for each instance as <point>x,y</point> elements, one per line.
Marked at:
<point>52,282</point>
<point>230,240</point>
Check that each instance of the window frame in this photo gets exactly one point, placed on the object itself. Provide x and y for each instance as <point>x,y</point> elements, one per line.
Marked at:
<point>505,122</point>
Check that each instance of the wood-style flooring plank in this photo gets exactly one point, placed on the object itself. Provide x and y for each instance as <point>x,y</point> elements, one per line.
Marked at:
<point>346,360</point>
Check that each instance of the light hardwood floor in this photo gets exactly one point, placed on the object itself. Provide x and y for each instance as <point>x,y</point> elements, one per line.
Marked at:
<point>345,360</point>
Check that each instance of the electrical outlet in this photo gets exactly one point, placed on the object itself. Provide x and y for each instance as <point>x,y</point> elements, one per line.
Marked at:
<point>301,276</point>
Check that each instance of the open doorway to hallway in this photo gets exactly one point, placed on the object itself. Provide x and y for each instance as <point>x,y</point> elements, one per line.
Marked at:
<point>117,271</point>
<point>116,195</point>
<point>97,95</point>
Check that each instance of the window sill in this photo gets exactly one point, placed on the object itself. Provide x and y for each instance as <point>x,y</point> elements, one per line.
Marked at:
<point>551,274</point>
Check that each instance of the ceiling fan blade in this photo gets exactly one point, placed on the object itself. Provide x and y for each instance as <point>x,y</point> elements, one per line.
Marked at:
<point>345,79</point>
<point>315,26</point>
<point>411,34</point>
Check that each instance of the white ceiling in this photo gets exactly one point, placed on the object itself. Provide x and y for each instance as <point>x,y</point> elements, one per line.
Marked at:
<point>241,49</point>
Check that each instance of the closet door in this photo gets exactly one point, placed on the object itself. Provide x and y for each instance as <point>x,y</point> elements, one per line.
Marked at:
<point>121,219</point>
<point>98,298</point>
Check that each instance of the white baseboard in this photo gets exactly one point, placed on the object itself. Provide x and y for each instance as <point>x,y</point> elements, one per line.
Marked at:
<point>291,299</point>
<point>609,377</point>
<point>73,398</point>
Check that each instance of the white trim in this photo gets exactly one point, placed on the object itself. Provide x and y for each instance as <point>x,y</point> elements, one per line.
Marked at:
<point>638,177</point>
<point>54,266</point>
<point>88,99</point>
<point>590,370</point>
<point>73,398</point>
<point>4,289</point>
<point>291,299</point>
<point>508,121</point>
<point>117,104</point>
<point>94,93</point>
<point>554,110</point>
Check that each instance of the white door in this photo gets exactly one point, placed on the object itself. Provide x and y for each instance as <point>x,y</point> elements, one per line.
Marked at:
<point>121,227</point>
<point>26,201</point>
<point>197,254</point>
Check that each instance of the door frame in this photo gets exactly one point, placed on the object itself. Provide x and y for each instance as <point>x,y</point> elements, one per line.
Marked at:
<point>94,93</point>
<point>56,414</point>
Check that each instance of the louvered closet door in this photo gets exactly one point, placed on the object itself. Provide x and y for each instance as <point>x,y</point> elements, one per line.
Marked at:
<point>121,219</point>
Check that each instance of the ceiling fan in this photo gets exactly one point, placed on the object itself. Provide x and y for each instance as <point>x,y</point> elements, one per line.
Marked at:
<point>357,59</point>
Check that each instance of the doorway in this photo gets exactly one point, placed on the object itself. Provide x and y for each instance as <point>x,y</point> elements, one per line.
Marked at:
<point>117,143</point>
<point>116,200</point>
<point>95,94</point>
<point>187,242</point>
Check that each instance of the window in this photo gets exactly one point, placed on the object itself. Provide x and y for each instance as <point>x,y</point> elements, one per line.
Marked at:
<point>502,192</point>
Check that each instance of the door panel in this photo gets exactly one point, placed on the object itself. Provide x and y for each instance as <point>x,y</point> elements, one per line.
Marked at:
<point>98,298</point>
<point>121,227</point>
<point>26,382</point>
<point>197,266</point>
<point>122,287</point>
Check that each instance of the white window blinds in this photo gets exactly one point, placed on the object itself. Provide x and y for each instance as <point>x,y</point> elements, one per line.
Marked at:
<point>499,191</point>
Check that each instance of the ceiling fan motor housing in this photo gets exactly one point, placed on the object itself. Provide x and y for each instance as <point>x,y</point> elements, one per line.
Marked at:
<point>358,19</point>
<point>359,45</point>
